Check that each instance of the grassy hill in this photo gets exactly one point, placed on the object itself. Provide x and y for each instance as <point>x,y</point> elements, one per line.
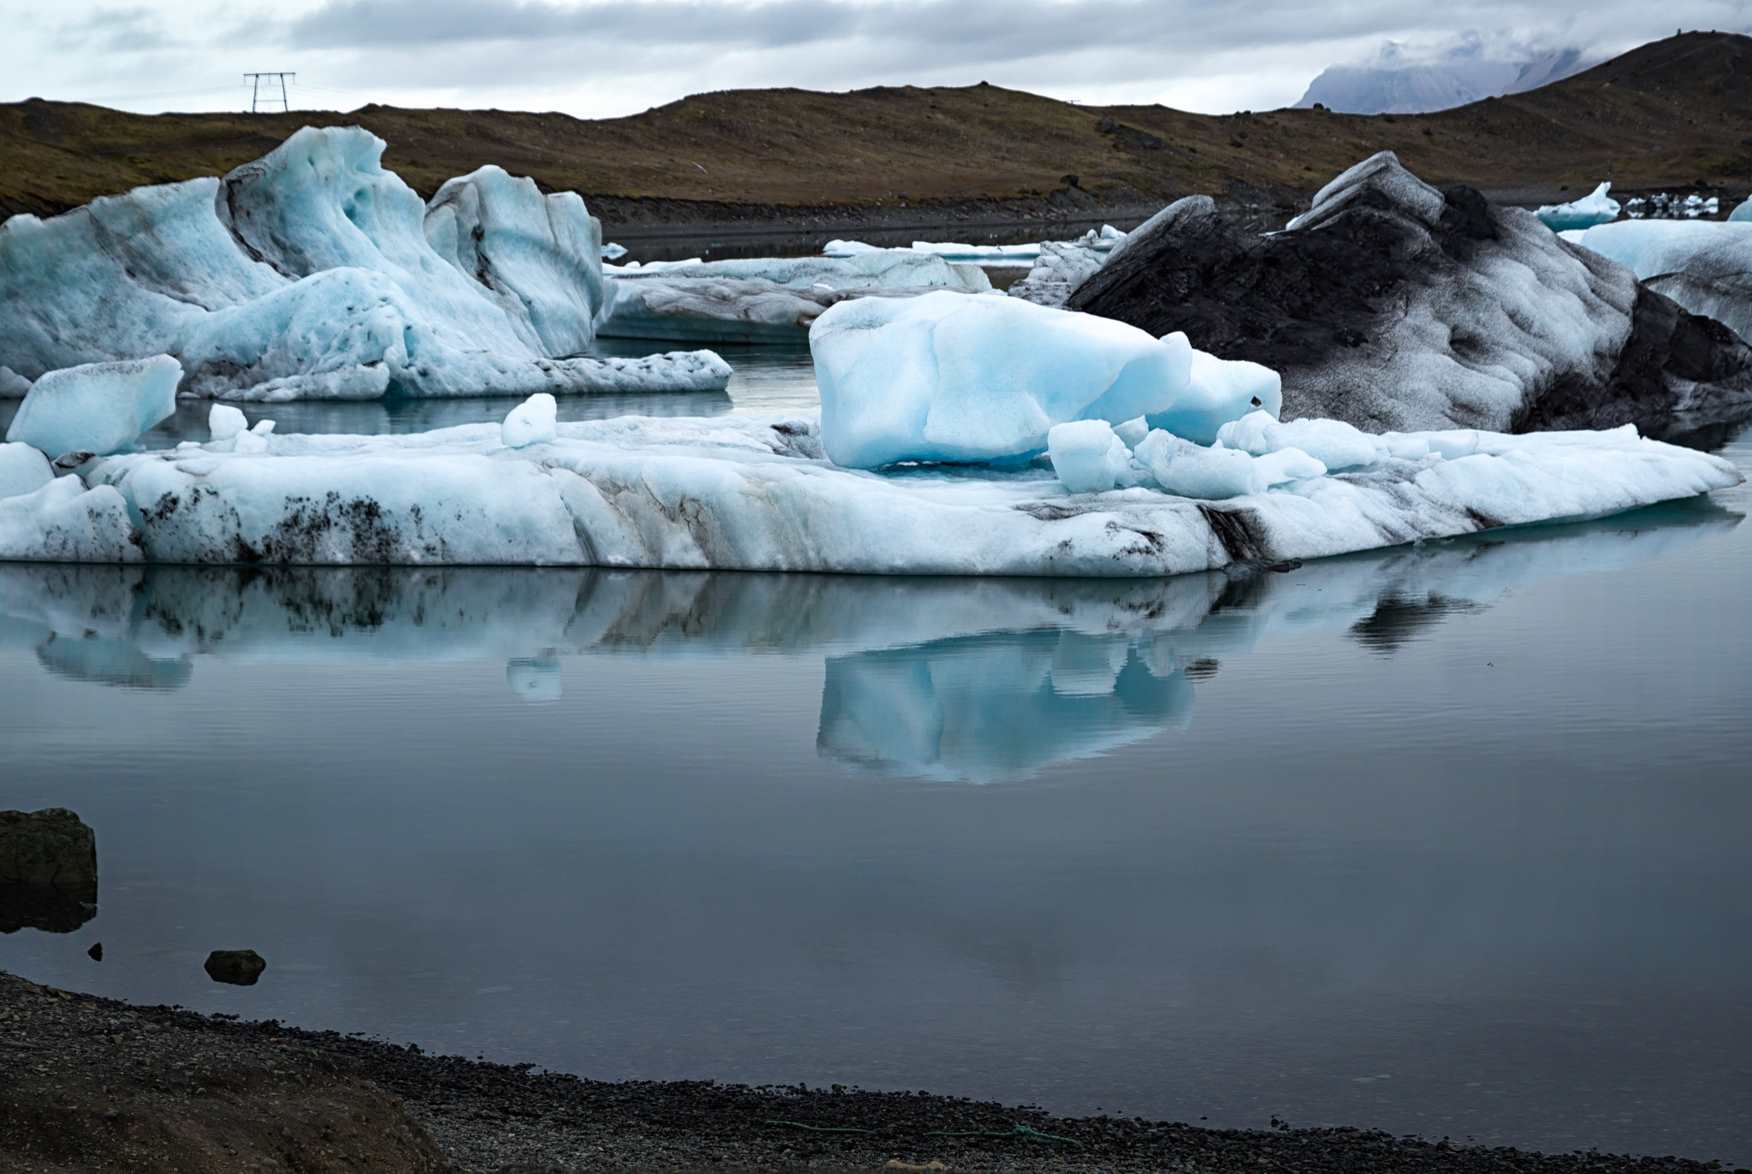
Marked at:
<point>1670,113</point>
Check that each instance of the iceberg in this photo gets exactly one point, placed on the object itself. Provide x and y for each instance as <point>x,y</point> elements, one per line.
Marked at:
<point>736,493</point>
<point>1742,212</point>
<point>1595,208</point>
<point>309,274</point>
<point>23,469</point>
<point>761,300</point>
<point>1705,266</point>
<point>942,377</point>
<point>1390,305</point>
<point>97,407</point>
<point>539,257</point>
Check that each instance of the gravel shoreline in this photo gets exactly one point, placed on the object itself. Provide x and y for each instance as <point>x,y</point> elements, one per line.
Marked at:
<point>93,1084</point>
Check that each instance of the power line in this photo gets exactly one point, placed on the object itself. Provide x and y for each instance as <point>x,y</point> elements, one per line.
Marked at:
<point>256,97</point>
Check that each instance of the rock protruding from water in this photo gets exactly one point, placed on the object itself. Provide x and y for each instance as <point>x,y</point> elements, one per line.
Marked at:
<point>48,871</point>
<point>237,967</point>
<point>1394,306</point>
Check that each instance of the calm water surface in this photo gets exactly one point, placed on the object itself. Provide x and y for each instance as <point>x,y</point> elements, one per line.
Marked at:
<point>1448,840</point>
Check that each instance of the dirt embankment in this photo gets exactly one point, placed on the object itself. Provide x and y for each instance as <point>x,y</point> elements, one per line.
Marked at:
<point>1673,113</point>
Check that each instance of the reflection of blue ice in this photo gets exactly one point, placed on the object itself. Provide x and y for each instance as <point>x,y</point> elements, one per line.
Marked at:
<point>974,707</point>
<point>948,678</point>
<point>535,678</point>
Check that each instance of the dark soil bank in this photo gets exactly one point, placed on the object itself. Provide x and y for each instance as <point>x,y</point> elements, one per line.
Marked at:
<point>93,1084</point>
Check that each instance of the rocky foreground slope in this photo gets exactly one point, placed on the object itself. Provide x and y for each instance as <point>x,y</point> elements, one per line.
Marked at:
<point>89,1084</point>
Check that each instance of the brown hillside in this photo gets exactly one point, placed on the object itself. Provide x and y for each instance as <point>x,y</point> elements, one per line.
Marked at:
<point>1666,114</point>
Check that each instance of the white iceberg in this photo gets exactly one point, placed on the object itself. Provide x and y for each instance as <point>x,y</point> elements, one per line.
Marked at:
<point>1705,266</point>
<point>539,256</point>
<point>1087,456</point>
<point>764,299</point>
<point>308,274</point>
<point>1059,269</point>
<point>943,377</point>
<point>1595,208</point>
<point>735,493</point>
<point>23,469</point>
<point>531,422</point>
<point>97,407</point>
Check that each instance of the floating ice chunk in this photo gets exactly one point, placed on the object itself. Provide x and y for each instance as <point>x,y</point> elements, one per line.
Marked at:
<point>531,422</point>
<point>1087,456</point>
<point>1219,390</point>
<point>12,384</point>
<point>98,407</point>
<point>1333,443</point>
<point>1743,212</point>
<point>1592,209</point>
<point>225,422</point>
<point>23,469</point>
<point>1213,473</point>
<point>943,377</point>
<point>613,251</point>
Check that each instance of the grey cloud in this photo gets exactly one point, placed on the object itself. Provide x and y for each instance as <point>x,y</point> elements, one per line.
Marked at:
<point>114,30</point>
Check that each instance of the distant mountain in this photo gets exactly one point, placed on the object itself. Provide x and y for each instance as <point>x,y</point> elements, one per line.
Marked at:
<point>1398,83</point>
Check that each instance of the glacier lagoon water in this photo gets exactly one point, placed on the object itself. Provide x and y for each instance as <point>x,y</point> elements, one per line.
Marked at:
<point>1447,840</point>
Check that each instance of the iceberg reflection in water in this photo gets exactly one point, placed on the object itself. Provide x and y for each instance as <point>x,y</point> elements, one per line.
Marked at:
<point>978,680</point>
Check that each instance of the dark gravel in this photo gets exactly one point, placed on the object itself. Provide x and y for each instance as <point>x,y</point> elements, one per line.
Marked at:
<point>93,1084</point>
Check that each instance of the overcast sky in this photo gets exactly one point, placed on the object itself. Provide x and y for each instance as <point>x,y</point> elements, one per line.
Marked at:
<point>591,58</point>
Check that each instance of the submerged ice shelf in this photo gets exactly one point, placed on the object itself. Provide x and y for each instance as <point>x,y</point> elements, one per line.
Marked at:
<point>749,494</point>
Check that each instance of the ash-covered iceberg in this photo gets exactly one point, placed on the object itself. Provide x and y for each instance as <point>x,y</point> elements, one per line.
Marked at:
<point>764,300</point>
<point>1595,208</point>
<point>308,274</point>
<point>1705,266</point>
<point>1391,305</point>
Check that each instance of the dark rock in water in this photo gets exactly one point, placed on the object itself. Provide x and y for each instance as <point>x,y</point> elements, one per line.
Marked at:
<point>96,952</point>
<point>48,871</point>
<point>1392,305</point>
<point>237,967</point>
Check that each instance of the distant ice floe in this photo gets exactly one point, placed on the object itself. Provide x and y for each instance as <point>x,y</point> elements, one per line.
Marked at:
<point>1672,206</point>
<point>316,273</point>
<point>1595,208</point>
<point>763,300</point>
<point>1705,266</point>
